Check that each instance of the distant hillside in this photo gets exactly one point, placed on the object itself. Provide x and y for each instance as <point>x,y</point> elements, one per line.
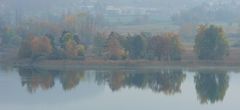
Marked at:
<point>210,12</point>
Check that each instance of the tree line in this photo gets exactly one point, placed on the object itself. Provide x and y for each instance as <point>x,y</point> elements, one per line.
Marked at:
<point>210,44</point>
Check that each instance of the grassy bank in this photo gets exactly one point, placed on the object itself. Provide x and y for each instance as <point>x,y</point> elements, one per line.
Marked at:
<point>189,60</point>
<point>127,64</point>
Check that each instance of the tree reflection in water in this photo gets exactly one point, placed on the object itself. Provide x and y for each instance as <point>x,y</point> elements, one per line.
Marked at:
<point>44,79</point>
<point>71,79</point>
<point>34,79</point>
<point>211,85</point>
<point>166,81</point>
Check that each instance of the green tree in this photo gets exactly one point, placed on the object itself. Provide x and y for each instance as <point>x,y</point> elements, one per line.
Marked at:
<point>9,37</point>
<point>80,49</point>
<point>25,50</point>
<point>176,47</point>
<point>66,38</point>
<point>136,46</point>
<point>210,43</point>
<point>99,42</point>
<point>71,45</point>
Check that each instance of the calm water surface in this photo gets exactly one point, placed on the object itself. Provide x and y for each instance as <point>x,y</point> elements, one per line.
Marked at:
<point>119,89</point>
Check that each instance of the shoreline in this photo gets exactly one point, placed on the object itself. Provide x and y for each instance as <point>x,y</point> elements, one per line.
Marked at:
<point>189,60</point>
<point>128,64</point>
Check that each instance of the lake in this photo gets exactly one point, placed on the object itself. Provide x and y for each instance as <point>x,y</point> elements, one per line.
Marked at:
<point>119,89</point>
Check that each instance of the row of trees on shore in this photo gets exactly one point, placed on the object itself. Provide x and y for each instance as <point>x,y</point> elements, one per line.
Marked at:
<point>210,44</point>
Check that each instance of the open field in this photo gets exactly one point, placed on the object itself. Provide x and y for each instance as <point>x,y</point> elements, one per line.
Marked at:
<point>153,28</point>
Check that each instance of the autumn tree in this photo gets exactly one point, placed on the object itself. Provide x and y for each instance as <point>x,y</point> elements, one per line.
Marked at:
<point>69,49</point>
<point>113,49</point>
<point>211,43</point>
<point>71,45</point>
<point>166,46</point>
<point>34,47</point>
<point>41,46</point>
<point>52,40</point>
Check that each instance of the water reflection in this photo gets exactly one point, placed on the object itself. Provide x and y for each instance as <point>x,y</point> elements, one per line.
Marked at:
<point>71,79</point>
<point>34,79</point>
<point>211,85</point>
<point>166,81</point>
<point>37,78</point>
